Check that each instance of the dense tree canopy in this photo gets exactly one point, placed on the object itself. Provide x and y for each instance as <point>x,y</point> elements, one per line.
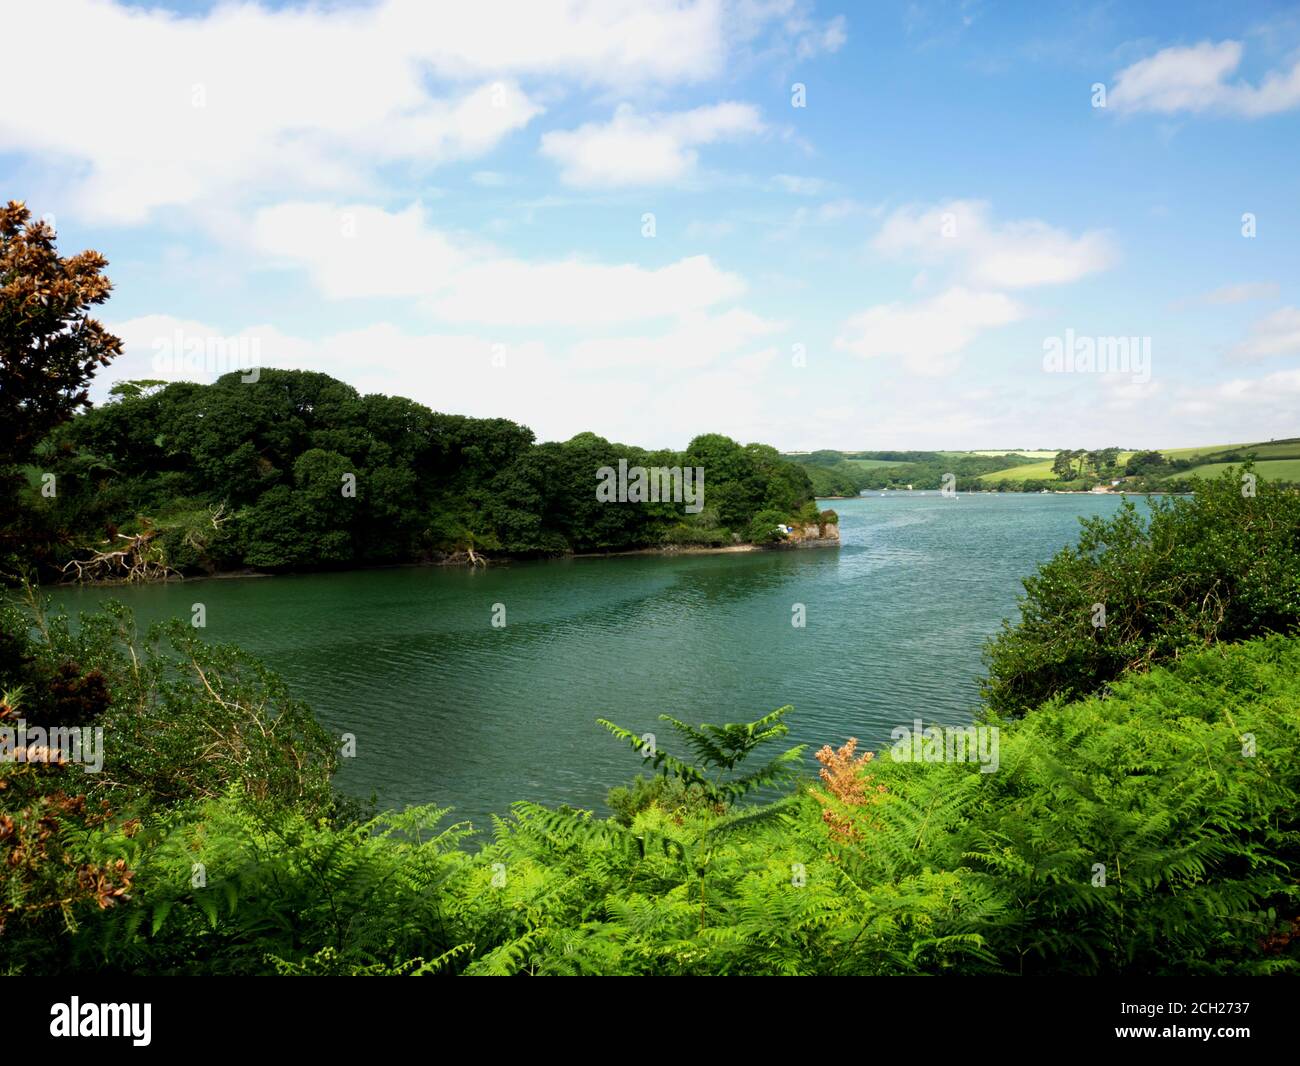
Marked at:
<point>298,470</point>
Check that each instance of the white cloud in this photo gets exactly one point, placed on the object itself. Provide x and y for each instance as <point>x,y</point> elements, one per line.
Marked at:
<point>799,36</point>
<point>1242,409</point>
<point>613,43</point>
<point>1194,78</point>
<point>929,336</point>
<point>1273,335</point>
<point>634,149</point>
<point>696,340</point>
<point>153,110</point>
<point>360,251</point>
<point>827,38</point>
<point>1239,294</point>
<point>572,292</point>
<point>1007,255</point>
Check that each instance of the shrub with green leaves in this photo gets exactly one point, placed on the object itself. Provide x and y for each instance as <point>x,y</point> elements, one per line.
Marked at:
<point>1153,830</point>
<point>1221,566</point>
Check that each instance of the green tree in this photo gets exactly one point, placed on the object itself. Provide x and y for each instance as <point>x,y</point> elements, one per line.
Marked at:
<point>1221,566</point>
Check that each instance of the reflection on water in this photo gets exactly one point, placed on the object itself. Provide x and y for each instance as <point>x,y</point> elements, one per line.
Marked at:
<point>447,709</point>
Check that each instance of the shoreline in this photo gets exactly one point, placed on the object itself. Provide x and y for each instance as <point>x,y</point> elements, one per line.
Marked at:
<point>709,549</point>
<point>449,561</point>
<point>875,493</point>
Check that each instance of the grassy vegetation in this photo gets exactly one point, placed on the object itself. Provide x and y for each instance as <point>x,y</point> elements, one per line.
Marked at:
<point>1268,469</point>
<point>1041,469</point>
<point>835,473</point>
<point>870,464</point>
<point>1278,460</point>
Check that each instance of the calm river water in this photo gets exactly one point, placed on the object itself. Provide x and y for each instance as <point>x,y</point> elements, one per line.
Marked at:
<point>448,709</point>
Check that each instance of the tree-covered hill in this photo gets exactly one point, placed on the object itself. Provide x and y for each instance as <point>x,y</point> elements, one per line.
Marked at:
<point>298,471</point>
<point>835,473</point>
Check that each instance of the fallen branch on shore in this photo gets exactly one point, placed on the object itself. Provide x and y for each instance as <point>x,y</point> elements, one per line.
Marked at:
<point>138,561</point>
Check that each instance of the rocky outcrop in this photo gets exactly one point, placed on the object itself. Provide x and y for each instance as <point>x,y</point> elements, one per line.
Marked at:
<point>813,535</point>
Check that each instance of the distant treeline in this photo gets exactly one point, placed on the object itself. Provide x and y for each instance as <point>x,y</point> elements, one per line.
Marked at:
<point>835,473</point>
<point>300,471</point>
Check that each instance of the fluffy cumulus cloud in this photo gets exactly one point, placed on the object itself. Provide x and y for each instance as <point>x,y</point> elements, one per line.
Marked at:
<point>980,257</point>
<point>356,250</point>
<point>579,293</point>
<point>1016,254</point>
<point>1199,78</point>
<point>927,337</point>
<point>1241,408</point>
<point>1276,334</point>
<point>361,251</point>
<point>696,339</point>
<point>633,149</point>
<point>245,98</point>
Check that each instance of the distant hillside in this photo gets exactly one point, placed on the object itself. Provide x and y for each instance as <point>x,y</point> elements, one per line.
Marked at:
<point>840,473</point>
<point>835,473</point>
<point>1274,460</point>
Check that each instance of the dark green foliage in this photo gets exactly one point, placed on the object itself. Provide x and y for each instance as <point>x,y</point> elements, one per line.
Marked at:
<point>843,479</point>
<point>298,471</point>
<point>764,528</point>
<point>1221,566</point>
<point>1146,463</point>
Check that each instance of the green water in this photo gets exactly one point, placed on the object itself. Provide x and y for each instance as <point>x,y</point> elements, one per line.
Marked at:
<point>448,709</point>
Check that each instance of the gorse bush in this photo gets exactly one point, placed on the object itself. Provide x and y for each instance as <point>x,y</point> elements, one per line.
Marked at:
<point>1222,566</point>
<point>185,718</point>
<point>181,721</point>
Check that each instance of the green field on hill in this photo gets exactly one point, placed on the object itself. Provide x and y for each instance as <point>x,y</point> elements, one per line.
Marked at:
<point>1269,469</point>
<point>1276,460</point>
<point>1040,469</point>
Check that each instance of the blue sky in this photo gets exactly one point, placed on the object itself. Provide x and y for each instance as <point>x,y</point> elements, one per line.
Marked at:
<point>451,201</point>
